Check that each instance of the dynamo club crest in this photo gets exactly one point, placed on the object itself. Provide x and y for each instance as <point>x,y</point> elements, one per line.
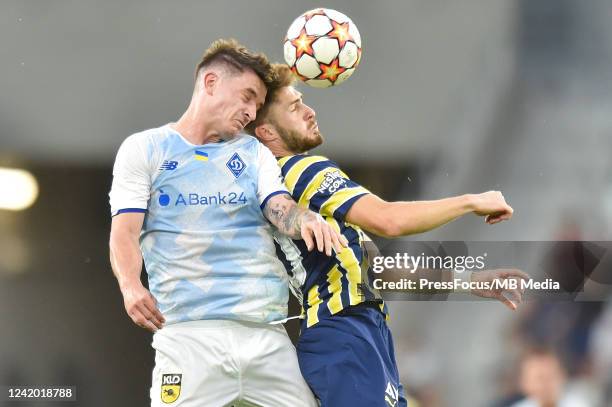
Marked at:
<point>236,165</point>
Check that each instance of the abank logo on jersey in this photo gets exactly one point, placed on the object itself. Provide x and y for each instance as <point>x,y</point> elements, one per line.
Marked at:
<point>170,387</point>
<point>236,165</point>
<point>203,199</point>
<point>164,199</point>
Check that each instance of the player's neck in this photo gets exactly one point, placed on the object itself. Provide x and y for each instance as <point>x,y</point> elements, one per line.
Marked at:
<point>283,153</point>
<point>279,149</point>
<point>195,129</point>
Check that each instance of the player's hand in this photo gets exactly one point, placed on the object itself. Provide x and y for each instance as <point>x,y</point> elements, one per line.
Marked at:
<point>492,206</point>
<point>315,231</point>
<point>141,306</point>
<point>510,297</point>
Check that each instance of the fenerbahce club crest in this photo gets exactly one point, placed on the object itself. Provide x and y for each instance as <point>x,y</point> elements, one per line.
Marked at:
<point>170,387</point>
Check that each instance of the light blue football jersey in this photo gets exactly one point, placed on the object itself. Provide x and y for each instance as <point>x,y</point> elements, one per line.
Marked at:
<point>208,249</point>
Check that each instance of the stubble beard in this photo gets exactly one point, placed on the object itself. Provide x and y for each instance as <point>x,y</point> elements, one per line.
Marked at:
<point>296,142</point>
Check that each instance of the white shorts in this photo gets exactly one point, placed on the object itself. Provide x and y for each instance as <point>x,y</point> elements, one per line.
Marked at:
<point>226,363</point>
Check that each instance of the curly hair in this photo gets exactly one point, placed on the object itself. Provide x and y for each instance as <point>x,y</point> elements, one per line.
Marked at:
<point>281,77</point>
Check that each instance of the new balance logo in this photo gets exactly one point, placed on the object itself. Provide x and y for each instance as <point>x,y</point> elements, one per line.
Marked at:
<point>168,165</point>
<point>391,395</point>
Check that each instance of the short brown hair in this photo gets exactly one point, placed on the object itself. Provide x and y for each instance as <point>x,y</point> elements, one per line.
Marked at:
<point>281,77</point>
<point>235,58</point>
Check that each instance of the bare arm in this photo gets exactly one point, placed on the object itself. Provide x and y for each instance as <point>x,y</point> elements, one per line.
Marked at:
<point>300,223</point>
<point>126,261</point>
<point>393,219</point>
<point>283,212</point>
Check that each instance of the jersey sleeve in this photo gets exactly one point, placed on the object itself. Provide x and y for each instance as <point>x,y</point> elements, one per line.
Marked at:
<point>131,186</point>
<point>269,179</point>
<point>321,185</point>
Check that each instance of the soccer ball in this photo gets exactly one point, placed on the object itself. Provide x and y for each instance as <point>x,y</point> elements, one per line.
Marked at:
<point>322,47</point>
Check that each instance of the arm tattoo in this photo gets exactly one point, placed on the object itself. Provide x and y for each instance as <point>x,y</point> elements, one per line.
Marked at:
<point>283,212</point>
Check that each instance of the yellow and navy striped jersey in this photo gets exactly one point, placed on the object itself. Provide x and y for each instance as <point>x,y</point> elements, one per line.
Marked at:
<point>326,285</point>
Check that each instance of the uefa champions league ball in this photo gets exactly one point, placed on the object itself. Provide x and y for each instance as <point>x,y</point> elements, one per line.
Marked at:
<point>322,47</point>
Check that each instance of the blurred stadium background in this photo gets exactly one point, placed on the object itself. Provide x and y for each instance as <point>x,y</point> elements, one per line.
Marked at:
<point>450,97</point>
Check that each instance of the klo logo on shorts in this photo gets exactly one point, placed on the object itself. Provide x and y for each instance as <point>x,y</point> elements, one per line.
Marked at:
<point>170,387</point>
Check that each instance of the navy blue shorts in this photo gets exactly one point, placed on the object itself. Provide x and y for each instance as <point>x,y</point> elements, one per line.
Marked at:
<point>348,360</point>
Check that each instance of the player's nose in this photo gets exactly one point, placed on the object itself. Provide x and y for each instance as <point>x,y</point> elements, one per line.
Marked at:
<point>309,113</point>
<point>250,113</point>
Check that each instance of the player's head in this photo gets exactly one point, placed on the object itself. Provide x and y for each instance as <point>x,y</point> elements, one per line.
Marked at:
<point>231,84</point>
<point>542,376</point>
<point>285,123</point>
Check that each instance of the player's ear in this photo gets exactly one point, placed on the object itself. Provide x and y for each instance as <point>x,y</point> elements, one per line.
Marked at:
<point>210,82</point>
<point>265,132</point>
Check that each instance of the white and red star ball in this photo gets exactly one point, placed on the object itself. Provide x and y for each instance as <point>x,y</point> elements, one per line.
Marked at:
<point>322,47</point>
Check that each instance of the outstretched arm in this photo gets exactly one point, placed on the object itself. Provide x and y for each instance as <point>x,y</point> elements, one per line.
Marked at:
<point>393,219</point>
<point>300,223</point>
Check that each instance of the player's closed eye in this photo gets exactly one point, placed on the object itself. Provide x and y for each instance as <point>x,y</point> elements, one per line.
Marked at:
<point>295,105</point>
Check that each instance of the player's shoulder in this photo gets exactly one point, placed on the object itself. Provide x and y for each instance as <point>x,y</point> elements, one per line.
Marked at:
<point>253,147</point>
<point>246,141</point>
<point>145,138</point>
<point>305,160</point>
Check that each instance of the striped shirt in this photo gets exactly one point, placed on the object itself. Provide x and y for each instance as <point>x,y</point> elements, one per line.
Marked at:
<point>326,285</point>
